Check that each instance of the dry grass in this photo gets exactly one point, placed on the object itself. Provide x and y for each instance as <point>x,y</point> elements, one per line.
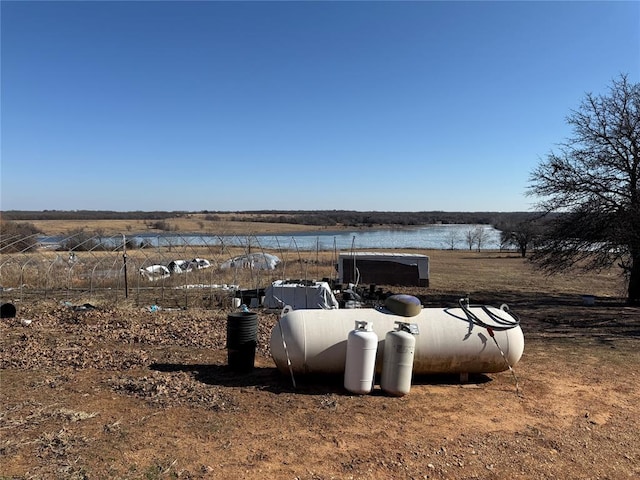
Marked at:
<point>192,223</point>
<point>450,270</point>
<point>98,277</point>
<point>507,272</point>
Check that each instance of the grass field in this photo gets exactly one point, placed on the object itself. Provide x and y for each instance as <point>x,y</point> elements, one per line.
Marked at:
<point>225,225</point>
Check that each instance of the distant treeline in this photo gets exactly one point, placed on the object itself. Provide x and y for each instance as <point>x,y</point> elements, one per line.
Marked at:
<point>30,215</point>
<point>320,218</point>
<point>328,218</point>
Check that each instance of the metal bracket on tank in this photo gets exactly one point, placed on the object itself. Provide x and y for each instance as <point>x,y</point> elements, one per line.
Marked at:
<point>363,325</point>
<point>412,328</point>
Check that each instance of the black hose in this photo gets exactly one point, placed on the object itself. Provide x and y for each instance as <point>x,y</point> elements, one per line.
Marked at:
<point>500,323</point>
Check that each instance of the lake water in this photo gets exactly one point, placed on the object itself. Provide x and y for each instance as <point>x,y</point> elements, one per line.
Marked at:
<point>425,237</point>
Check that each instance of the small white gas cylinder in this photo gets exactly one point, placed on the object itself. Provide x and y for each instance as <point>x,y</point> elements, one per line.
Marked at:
<point>397,366</point>
<point>359,369</point>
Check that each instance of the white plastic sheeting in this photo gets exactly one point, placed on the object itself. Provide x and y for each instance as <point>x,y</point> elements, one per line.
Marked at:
<point>309,295</point>
<point>257,261</point>
<point>155,272</point>
<point>180,266</point>
<point>200,263</point>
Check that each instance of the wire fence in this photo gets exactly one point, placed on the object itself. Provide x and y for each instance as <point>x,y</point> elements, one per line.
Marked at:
<point>176,271</point>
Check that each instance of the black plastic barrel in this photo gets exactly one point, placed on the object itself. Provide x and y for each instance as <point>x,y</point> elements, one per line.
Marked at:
<point>7,310</point>
<point>242,336</point>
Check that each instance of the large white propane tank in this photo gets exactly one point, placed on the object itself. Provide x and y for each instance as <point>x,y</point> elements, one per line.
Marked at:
<point>397,361</point>
<point>360,363</point>
<point>451,340</point>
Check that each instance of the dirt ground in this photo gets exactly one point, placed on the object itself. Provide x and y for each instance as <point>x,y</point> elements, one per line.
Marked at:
<point>118,392</point>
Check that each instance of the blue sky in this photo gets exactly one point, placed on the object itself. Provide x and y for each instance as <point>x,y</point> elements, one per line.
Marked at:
<point>386,106</point>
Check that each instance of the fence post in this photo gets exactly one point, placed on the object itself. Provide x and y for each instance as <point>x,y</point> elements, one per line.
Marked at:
<point>124,260</point>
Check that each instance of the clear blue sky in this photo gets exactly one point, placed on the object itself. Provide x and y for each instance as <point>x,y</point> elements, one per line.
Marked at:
<point>387,106</point>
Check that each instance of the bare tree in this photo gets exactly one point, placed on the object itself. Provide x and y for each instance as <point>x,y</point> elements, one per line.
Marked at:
<point>474,236</point>
<point>451,239</point>
<point>593,182</point>
<point>480,235</point>
<point>521,235</point>
<point>18,236</point>
<point>470,237</point>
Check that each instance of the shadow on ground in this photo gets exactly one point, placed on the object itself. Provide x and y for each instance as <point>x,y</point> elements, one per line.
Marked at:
<point>558,313</point>
<point>270,379</point>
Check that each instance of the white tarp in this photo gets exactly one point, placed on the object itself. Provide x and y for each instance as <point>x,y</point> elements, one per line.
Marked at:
<point>200,263</point>
<point>179,266</point>
<point>155,272</point>
<point>299,295</point>
<point>258,261</point>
